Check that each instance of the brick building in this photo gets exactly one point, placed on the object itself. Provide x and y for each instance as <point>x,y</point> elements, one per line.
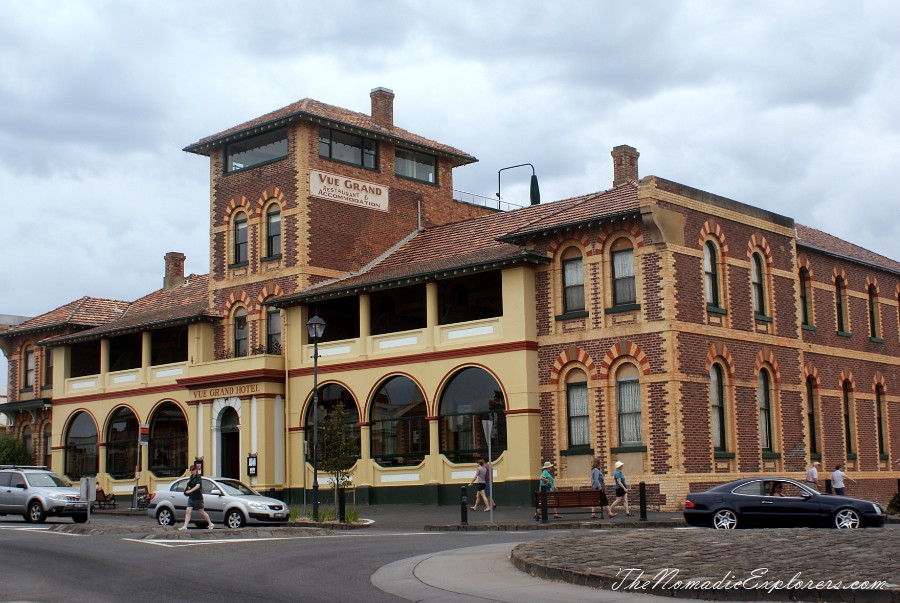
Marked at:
<point>695,338</point>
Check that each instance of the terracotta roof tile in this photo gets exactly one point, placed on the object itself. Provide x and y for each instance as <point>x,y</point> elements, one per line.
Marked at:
<point>188,301</point>
<point>481,240</point>
<point>813,238</point>
<point>313,108</point>
<point>86,312</point>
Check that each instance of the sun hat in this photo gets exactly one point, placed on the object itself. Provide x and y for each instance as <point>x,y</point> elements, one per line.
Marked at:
<point>547,464</point>
<point>817,463</point>
<point>619,464</point>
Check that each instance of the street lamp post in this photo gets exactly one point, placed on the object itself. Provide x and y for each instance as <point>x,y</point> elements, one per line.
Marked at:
<point>316,328</point>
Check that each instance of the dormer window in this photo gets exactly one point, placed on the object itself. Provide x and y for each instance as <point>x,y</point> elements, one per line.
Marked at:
<point>257,150</point>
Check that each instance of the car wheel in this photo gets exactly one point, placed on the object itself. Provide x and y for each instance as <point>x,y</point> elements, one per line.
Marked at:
<point>82,518</point>
<point>35,513</point>
<point>234,519</point>
<point>846,519</point>
<point>724,519</point>
<point>164,517</point>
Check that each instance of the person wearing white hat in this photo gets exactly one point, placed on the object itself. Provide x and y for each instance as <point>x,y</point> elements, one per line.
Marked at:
<point>547,481</point>
<point>621,489</point>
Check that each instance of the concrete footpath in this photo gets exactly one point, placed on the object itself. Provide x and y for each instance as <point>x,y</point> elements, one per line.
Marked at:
<point>623,559</point>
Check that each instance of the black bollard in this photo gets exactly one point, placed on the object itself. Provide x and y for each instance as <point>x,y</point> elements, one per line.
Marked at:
<point>642,490</point>
<point>342,507</point>
<point>463,506</point>
<point>827,486</point>
<point>544,517</point>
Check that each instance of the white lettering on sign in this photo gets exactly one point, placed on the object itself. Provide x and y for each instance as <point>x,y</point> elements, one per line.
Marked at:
<point>348,190</point>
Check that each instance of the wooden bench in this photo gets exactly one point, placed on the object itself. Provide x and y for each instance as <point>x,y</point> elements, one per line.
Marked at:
<point>569,499</point>
<point>104,500</point>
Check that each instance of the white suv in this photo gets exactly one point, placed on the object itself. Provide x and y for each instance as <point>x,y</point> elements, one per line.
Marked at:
<point>36,494</point>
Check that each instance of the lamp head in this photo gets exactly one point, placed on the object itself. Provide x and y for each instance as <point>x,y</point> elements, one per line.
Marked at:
<point>316,327</point>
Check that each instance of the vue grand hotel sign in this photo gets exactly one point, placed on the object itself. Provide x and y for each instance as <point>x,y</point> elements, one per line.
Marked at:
<point>347,190</point>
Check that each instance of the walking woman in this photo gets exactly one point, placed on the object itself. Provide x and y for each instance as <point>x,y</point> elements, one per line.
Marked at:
<point>621,489</point>
<point>597,483</point>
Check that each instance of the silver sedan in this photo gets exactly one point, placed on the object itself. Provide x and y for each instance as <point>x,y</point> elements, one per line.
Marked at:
<point>226,500</point>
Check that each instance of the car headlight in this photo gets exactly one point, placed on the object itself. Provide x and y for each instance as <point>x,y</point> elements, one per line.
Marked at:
<point>257,506</point>
<point>878,510</point>
<point>57,496</point>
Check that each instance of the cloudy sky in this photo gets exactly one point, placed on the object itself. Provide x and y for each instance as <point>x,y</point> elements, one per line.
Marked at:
<point>789,106</point>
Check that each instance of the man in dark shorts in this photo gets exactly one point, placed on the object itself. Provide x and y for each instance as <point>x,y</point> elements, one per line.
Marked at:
<point>194,491</point>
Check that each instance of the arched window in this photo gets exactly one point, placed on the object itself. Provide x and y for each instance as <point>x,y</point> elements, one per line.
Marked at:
<point>764,394</point>
<point>122,444</point>
<point>873,313</point>
<point>471,396</point>
<point>168,447</point>
<point>330,396</point>
<point>711,274</point>
<point>879,420</point>
<point>48,366</point>
<point>717,402</point>
<point>577,409</point>
<point>839,305</point>
<point>812,419</point>
<point>273,331</point>
<point>48,446</point>
<point>239,325</point>
<point>805,297</point>
<point>849,423</point>
<point>28,369</point>
<point>28,440</point>
<point>628,403</point>
<point>572,280</point>
<point>239,238</point>
<point>399,433</point>
<point>757,278</point>
<point>81,447</point>
<point>273,231</point>
<point>622,259</point>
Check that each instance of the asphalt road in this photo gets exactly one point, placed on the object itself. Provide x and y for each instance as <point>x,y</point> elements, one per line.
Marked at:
<point>39,564</point>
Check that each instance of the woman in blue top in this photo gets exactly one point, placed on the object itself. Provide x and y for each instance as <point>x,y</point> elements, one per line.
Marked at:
<point>547,482</point>
<point>621,489</point>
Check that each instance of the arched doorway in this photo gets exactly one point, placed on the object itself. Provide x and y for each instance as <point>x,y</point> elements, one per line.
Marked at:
<point>230,443</point>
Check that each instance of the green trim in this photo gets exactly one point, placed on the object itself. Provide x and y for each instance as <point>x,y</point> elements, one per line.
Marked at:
<point>809,328</point>
<point>410,178</point>
<point>239,264</point>
<point>768,454</point>
<point>627,449</point>
<point>623,308</point>
<point>884,457</point>
<point>762,317</point>
<point>815,456</point>
<point>844,334</point>
<point>577,451</point>
<point>721,454</point>
<point>277,256</point>
<point>851,456</point>
<point>876,339</point>
<point>714,309</point>
<point>255,165</point>
<point>570,315</point>
<point>26,389</point>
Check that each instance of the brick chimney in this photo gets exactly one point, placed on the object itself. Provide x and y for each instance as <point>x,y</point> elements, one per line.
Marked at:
<point>382,107</point>
<point>625,164</point>
<point>174,270</point>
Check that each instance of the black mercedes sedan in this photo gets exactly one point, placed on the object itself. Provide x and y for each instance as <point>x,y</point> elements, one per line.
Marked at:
<point>776,502</point>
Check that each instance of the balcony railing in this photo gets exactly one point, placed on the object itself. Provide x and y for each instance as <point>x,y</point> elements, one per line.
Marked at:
<point>473,199</point>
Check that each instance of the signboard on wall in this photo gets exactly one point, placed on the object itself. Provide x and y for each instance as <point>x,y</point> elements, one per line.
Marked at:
<point>348,190</point>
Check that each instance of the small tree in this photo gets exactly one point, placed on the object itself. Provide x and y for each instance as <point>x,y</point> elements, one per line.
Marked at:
<point>13,451</point>
<point>341,449</point>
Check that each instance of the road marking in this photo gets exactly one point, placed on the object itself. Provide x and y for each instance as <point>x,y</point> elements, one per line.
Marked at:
<point>167,543</point>
<point>36,530</point>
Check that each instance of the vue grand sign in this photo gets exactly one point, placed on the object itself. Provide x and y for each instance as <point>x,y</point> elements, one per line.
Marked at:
<point>348,190</point>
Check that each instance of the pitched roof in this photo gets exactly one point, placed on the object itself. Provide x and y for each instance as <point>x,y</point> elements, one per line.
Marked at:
<point>476,242</point>
<point>83,313</point>
<point>822,241</point>
<point>314,110</point>
<point>186,303</point>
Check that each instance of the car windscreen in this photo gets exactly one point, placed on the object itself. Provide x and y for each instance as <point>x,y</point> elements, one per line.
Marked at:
<point>46,480</point>
<point>236,488</point>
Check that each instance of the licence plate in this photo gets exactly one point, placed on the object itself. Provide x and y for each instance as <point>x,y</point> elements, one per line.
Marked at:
<point>279,516</point>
